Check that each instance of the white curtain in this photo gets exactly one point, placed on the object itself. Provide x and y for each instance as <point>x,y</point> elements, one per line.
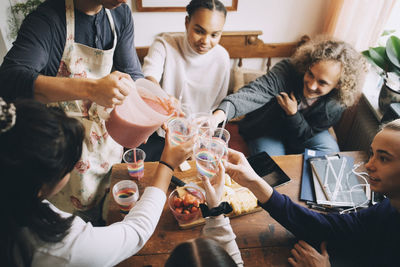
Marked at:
<point>358,22</point>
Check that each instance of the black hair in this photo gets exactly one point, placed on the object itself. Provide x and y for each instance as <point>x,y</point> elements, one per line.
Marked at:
<point>39,150</point>
<point>200,252</point>
<point>194,5</point>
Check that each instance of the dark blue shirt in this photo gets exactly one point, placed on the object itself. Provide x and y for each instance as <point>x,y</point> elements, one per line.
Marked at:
<point>41,39</point>
<point>370,236</point>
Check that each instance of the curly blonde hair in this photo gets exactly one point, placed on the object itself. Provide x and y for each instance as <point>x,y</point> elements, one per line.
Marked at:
<point>392,125</point>
<point>353,64</point>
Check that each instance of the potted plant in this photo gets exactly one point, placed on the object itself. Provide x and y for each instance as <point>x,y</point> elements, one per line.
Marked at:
<point>386,59</point>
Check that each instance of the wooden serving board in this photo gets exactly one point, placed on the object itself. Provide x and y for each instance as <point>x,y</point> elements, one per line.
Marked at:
<point>190,177</point>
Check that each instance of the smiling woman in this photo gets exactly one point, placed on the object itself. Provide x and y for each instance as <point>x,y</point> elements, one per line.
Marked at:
<point>178,62</point>
<point>291,107</point>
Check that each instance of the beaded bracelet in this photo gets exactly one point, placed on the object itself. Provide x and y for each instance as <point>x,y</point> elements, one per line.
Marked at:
<point>166,164</point>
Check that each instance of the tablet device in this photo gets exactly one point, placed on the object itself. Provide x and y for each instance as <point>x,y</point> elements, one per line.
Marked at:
<point>267,169</point>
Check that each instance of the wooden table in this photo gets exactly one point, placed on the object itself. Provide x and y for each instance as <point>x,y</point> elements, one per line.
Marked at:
<point>262,241</point>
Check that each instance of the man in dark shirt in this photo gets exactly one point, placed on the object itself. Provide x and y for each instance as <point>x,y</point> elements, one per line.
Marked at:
<point>64,54</point>
<point>29,67</point>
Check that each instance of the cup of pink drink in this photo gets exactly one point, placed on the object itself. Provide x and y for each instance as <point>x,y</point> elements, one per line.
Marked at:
<point>134,158</point>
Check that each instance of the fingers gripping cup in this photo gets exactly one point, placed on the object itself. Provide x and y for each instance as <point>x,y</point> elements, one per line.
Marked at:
<point>126,193</point>
<point>135,159</point>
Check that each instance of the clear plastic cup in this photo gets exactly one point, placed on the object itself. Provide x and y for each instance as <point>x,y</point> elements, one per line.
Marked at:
<point>208,153</point>
<point>201,121</point>
<point>180,130</point>
<point>126,193</point>
<point>221,135</point>
<point>185,206</point>
<point>134,158</point>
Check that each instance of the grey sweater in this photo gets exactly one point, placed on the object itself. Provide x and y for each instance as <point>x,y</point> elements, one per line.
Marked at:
<point>263,113</point>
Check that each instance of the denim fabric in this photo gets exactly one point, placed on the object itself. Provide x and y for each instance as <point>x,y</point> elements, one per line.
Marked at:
<point>274,144</point>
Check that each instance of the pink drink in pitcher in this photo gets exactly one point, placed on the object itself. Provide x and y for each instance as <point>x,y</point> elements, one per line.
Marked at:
<point>142,113</point>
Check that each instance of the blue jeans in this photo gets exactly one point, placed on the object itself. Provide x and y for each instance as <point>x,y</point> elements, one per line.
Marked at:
<point>275,146</point>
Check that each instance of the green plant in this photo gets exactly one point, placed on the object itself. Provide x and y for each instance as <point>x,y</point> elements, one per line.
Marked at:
<point>18,12</point>
<point>386,59</point>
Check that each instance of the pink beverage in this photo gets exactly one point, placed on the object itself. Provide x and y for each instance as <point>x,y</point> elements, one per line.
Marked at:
<point>136,170</point>
<point>142,113</point>
<point>159,106</point>
<point>134,158</point>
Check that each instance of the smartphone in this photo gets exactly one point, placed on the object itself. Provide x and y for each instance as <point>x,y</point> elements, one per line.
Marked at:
<point>267,169</point>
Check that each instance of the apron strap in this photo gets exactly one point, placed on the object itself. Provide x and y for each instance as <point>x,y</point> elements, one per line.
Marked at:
<point>111,20</point>
<point>70,21</point>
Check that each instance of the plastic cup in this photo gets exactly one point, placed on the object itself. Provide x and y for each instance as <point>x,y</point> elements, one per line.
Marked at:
<point>126,193</point>
<point>183,111</point>
<point>208,153</point>
<point>201,121</point>
<point>220,135</point>
<point>135,157</point>
<point>185,207</point>
<point>180,131</point>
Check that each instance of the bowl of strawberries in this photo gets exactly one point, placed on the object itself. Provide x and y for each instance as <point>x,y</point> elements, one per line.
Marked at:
<point>184,202</point>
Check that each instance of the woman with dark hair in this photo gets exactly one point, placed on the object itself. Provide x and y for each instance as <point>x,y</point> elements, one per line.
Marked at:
<point>217,246</point>
<point>64,55</point>
<point>370,237</point>
<point>39,148</point>
<point>200,252</point>
<point>291,107</point>
<point>190,66</point>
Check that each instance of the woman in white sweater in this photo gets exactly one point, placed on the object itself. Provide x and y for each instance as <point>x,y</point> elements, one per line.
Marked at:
<point>39,148</point>
<point>190,66</point>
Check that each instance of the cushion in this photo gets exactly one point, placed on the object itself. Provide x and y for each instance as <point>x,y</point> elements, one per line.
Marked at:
<point>241,77</point>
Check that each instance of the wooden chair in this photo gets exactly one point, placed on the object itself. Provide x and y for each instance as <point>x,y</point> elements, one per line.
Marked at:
<point>241,45</point>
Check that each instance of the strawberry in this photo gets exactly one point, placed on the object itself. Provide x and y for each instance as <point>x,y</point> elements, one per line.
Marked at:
<point>179,210</point>
<point>194,209</point>
<point>178,202</point>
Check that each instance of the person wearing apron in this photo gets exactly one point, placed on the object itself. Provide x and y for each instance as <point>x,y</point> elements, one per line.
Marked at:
<point>96,87</point>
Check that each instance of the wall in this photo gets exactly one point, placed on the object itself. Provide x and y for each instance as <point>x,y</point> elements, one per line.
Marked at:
<point>280,21</point>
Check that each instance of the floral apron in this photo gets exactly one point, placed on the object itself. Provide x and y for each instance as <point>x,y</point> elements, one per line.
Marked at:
<point>88,183</point>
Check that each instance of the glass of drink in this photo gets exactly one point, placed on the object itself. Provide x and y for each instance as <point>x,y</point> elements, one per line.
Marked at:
<point>208,153</point>
<point>219,135</point>
<point>135,157</point>
<point>126,193</point>
<point>201,121</point>
<point>180,130</point>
